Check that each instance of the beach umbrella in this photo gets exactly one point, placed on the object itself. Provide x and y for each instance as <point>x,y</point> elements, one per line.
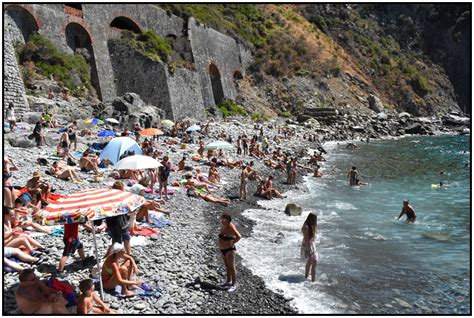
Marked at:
<point>117,146</point>
<point>94,121</point>
<point>137,162</point>
<point>90,204</point>
<point>151,132</point>
<point>193,128</point>
<point>218,145</point>
<point>106,133</point>
<point>112,120</point>
<point>167,123</point>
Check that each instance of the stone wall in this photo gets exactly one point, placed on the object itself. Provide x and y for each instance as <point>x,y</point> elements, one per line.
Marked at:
<point>13,88</point>
<point>185,94</point>
<point>92,29</point>
<point>212,47</point>
<point>137,74</point>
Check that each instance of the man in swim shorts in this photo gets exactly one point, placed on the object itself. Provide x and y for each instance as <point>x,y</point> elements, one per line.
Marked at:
<point>409,211</point>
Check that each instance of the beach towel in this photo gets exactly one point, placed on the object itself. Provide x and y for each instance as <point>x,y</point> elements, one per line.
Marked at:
<point>145,290</point>
<point>146,231</point>
<point>138,241</point>
<point>58,232</point>
<point>159,223</point>
<point>7,268</point>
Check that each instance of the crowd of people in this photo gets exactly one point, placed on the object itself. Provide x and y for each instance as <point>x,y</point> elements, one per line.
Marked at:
<point>120,265</point>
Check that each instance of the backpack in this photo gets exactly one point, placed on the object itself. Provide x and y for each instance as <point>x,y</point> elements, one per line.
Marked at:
<point>65,288</point>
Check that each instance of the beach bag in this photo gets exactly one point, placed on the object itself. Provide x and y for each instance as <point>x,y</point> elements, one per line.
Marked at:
<point>66,289</point>
<point>31,136</point>
<point>25,198</point>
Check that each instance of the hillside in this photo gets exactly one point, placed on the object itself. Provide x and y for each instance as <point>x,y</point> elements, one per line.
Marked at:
<point>336,55</point>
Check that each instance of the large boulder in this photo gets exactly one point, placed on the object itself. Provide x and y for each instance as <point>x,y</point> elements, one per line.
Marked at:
<point>415,129</point>
<point>375,103</point>
<point>22,142</point>
<point>130,109</point>
<point>455,120</point>
<point>293,210</point>
<point>31,117</point>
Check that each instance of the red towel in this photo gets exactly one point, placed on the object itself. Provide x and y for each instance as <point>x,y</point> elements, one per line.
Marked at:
<point>146,231</point>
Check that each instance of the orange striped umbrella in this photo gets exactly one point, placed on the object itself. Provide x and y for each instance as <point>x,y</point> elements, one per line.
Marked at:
<point>89,204</point>
<point>151,132</point>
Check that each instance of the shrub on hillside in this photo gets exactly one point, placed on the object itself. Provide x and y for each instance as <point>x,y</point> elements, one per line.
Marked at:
<point>230,108</point>
<point>40,55</point>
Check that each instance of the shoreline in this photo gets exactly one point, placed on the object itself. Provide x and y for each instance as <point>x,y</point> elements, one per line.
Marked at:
<point>184,258</point>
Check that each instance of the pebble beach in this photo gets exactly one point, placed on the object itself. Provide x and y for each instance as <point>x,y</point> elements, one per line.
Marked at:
<point>183,259</point>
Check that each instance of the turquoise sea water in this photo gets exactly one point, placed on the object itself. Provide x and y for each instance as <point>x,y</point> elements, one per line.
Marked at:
<point>369,261</point>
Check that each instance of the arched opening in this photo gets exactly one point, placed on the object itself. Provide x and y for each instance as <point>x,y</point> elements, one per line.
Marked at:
<point>79,40</point>
<point>216,84</point>
<point>123,23</point>
<point>19,23</point>
<point>237,75</point>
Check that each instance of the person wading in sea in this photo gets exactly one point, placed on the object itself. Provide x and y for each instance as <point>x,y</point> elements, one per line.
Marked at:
<point>409,211</point>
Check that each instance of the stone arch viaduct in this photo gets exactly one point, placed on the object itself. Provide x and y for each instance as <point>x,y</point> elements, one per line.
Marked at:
<point>218,59</point>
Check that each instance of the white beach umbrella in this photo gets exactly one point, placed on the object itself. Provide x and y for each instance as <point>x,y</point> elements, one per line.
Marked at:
<point>112,120</point>
<point>218,145</point>
<point>167,123</point>
<point>137,162</point>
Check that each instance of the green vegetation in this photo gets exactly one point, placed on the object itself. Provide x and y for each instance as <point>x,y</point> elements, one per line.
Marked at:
<point>285,114</point>
<point>148,44</point>
<point>230,108</point>
<point>259,117</point>
<point>40,56</point>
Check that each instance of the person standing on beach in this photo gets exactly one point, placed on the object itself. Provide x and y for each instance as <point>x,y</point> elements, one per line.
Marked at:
<point>308,246</point>
<point>245,145</point>
<point>239,145</point>
<point>163,174</point>
<point>409,211</point>
<point>226,243</point>
<point>11,116</point>
<point>243,183</point>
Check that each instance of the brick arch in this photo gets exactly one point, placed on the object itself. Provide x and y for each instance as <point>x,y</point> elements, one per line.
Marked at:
<point>25,27</point>
<point>72,19</point>
<point>237,75</point>
<point>118,15</point>
<point>213,69</point>
<point>216,82</point>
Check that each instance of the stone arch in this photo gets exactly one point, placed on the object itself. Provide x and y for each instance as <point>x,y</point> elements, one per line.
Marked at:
<point>125,23</point>
<point>216,84</point>
<point>79,41</point>
<point>237,75</point>
<point>20,23</point>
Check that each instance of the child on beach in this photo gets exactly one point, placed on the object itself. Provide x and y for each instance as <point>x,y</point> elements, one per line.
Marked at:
<point>71,244</point>
<point>89,302</point>
<point>308,246</point>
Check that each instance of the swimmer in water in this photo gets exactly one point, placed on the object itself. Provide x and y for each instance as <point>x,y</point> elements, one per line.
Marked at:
<point>409,211</point>
<point>353,176</point>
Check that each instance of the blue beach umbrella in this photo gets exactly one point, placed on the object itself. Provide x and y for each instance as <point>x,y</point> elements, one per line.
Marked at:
<point>106,133</point>
<point>117,146</point>
<point>193,128</point>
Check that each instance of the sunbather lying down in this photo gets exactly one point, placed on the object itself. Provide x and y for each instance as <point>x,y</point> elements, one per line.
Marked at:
<point>193,192</point>
<point>191,182</point>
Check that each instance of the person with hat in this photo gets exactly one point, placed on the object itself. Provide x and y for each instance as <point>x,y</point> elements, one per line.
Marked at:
<point>118,269</point>
<point>35,185</point>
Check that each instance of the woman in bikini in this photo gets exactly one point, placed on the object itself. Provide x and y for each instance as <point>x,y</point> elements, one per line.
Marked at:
<point>9,195</point>
<point>226,243</point>
<point>114,274</point>
<point>89,302</point>
<point>64,173</point>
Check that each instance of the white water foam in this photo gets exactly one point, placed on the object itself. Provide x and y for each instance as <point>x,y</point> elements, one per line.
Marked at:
<point>279,264</point>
